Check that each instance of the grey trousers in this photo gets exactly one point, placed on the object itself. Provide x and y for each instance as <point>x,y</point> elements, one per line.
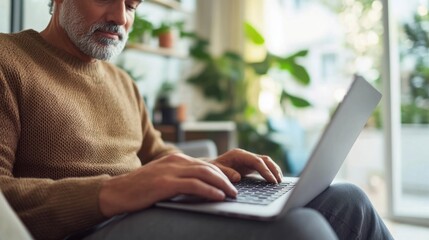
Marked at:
<point>342,208</point>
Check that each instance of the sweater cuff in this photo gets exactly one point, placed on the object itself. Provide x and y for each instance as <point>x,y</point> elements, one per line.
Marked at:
<point>81,209</point>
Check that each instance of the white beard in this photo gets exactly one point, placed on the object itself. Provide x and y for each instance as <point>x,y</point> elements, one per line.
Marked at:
<point>96,47</point>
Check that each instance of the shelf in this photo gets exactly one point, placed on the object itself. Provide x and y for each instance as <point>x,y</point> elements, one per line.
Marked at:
<point>223,134</point>
<point>209,126</point>
<point>175,5</point>
<point>166,52</point>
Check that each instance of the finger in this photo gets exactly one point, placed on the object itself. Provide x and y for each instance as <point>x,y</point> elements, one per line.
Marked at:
<point>274,168</point>
<point>217,169</point>
<point>232,175</point>
<point>213,166</point>
<point>188,160</point>
<point>256,163</point>
<point>259,165</point>
<point>198,188</point>
<point>210,176</point>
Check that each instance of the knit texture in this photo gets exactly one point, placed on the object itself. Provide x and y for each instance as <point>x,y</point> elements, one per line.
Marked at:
<point>65,127</point>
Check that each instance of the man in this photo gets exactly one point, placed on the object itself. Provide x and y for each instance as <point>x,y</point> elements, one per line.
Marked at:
<point>79,152</point>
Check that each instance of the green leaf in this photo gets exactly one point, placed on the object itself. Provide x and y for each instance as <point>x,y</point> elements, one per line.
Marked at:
<point>199,51</point>
<point>300,74</point>
<point>163,28</point>
<point>250,111</point>
<point>298,71</point>
<point>140,26</point>
<point>253,35</point>
<point>261,68</point>
<point>301,53</point>
<point>190,35</point>
<point>200,54</point>
<point>296,101</point>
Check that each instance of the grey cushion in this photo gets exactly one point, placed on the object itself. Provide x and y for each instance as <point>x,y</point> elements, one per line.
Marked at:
<point>198,148</point>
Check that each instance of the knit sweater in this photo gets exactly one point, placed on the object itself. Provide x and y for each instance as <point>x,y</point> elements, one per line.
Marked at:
<point>65,127</point>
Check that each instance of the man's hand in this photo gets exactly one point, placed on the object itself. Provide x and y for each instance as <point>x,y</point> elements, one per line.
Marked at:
<point>162,179</point>
<point>237,163</point>
<point>180,174</point>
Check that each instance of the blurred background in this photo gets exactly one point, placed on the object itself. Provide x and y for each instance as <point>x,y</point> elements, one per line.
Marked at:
<point>265,75</point>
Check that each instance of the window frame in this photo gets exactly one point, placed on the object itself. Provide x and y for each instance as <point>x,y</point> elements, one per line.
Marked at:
<point>392,119</point>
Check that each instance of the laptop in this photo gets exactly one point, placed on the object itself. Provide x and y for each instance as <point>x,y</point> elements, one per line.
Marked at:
<point>275,200</point>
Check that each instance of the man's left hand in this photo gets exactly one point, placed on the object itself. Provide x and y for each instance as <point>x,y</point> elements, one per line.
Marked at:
<point>237,163</point>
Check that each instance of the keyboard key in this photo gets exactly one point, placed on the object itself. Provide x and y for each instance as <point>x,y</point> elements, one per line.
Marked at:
<point>255,191</point>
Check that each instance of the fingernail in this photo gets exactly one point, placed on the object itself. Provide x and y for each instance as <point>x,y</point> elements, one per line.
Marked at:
<point>236,177</point>
<point>275,179</point>
<point>232,190</point>
<point>235,191</point>
<point>220,194</point>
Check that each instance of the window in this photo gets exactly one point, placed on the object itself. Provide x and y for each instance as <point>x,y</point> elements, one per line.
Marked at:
<point>36,14</point>
<point>409,110</point>
<point>340,45</point>
<point>5,16</point>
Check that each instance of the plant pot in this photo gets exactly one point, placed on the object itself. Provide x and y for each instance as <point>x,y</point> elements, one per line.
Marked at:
<point>166,39</point>
<point>181,113</point>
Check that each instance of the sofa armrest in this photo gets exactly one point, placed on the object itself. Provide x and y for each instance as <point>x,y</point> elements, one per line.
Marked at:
<point>11,226</point>
<point>198,148</point>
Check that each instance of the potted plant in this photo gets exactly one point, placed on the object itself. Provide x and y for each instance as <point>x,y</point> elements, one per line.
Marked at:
<point>229,78</point>
<point>164,112</point>
<point>165,34</point>
<point>142,30</point>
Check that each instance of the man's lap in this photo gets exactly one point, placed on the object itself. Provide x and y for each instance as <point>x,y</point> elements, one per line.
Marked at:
<point>338,204</point>
<point>160,223</point>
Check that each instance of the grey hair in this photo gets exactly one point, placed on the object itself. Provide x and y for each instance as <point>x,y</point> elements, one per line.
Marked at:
<point>51,6</point>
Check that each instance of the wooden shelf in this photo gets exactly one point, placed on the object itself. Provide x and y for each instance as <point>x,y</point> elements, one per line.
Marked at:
<point>209,126</point>
<point>175,5</point>
<point>166,52</point>
<point>223,134</point>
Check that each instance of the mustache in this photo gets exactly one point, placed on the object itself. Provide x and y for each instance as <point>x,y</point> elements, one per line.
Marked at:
<point>108,27</point>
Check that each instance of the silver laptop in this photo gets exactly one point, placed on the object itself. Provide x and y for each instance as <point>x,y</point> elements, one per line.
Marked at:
<point>274,200</point>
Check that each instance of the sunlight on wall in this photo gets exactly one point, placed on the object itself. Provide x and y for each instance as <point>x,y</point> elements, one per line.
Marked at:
<point>422,10</point>
<point>269,97</point>
<point>290,28</point>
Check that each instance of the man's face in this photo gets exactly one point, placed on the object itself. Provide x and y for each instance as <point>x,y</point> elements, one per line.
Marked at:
<point>99,28</point>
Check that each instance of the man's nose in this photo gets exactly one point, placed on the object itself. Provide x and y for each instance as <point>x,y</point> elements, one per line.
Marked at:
<point>117,13</point>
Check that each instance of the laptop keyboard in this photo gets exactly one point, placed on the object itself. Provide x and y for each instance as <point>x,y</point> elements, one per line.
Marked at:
<point>255,191</point>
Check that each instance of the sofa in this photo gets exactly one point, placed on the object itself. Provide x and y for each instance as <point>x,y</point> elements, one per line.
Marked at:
<point>11,227</point>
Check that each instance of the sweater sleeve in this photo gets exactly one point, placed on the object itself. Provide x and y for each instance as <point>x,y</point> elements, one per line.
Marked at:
<point>50,209</point>
<point>153,147</point>
<point>54,209</point>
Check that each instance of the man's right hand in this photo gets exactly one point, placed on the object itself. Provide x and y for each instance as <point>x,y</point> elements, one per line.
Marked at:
<point>162,179</point>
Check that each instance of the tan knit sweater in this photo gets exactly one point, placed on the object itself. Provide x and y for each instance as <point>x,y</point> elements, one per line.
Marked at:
<point>65,126</point>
